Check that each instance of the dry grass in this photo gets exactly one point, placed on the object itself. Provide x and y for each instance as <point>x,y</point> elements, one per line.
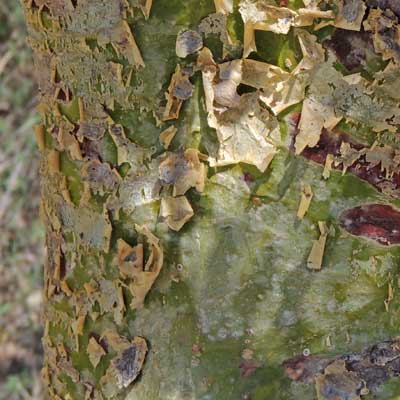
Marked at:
<point>21,233</point>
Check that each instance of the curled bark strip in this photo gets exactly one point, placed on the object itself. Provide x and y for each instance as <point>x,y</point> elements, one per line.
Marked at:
<point>379,222</point>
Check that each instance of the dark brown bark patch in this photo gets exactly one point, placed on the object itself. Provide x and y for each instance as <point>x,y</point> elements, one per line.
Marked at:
<point>379,222</point>
<point>350,375</point>
<point>330,143</point>
<point>350,47</point>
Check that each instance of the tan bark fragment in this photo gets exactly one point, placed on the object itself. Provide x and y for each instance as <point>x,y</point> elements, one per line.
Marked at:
<point>126,366</point>
<point>348,156</point>
<point>53,161</point>
<point>184,171</point>
<point>279,20</point>
<point>129,258</point>
<point>390,296</point>
<point>350,14</point>
<point>123,41</point>
<point>95,351</point>
<point>316,256</point>
<point>180,89</point>
<point>280,89</point>
<point>65,288</point>
<point>40,136</point>
<point>328,166</point>
<point>144,278</point>
<point>146,7</point>
<point>78,325</point>
<point>167,135</point>
<point>249,40</point>
<point>305,201</point>
<point>224,6</point>
<point>176,211</point>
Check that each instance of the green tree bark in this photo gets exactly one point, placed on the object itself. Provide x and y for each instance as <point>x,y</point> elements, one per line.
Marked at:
<point>195,240</point>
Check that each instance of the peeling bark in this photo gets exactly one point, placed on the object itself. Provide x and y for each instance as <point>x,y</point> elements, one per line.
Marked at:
<point>190,249</point>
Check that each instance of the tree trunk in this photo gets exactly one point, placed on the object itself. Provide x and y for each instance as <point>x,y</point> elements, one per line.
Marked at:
<point>219,184</point>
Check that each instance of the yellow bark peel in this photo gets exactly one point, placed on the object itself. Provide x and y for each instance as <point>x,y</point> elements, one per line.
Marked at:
<point>68,142</point>
<point>129,258</point>
<point>244,128</point>
<point>348,156</point>
<point>40,136</point>
<point>314,261</point>
<point>244,134</point>
<point>224,6</point>
<point>328,166</point>
<point>167,135</point>
<point>390,295</point>
<point>263,16</point>
<point>305,200</point>
<point>126,365</point>
<point>183,171</point>
<point>146,7</point>
<point>80,85</point>
<point>176,211</point>
<point>279,89</point>
<point>78,325</point>
<point>95,351</point>
<point>144,277</point>
<point>179,90</point>
<point>350,15</point>
<point>123,41</point>
<point>249,39</point>
<point>53,160</point>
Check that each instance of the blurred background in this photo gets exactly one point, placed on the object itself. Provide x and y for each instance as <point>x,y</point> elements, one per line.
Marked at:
<point>21,232</point>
